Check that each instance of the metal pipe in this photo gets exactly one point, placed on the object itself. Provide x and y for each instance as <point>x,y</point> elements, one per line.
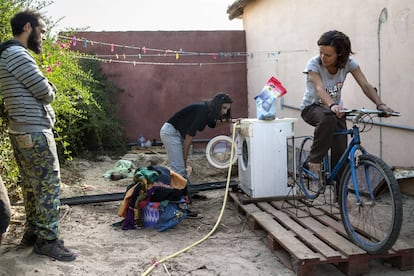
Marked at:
<point>159,142</point>
<point>381,19</point>
<point>99,198</point>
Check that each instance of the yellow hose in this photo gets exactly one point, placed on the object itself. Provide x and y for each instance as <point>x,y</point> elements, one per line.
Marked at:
<point>155,264</point>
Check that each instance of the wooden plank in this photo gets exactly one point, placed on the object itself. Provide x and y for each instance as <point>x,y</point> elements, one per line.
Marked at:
<point>300,209</point>
<point>331,237</point>
<point>404,261</point>
<point>250,208</point>
<point>355,266</point>
<point>400,244</point>
<point>273,198</point>
<point>333,223</point>
<point>302,240</point>
<point>247,209</point>
<point>285,238</point>
<point>332,209</point>
<point>305,235</point>
<point>338,216</point>
<point>333,219</point>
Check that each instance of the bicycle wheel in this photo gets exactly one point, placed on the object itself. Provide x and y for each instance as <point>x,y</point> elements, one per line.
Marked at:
<point>373,222</point>
<point>309,186</point>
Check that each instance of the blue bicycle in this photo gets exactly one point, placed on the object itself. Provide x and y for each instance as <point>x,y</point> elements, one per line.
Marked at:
<point>369,196</point>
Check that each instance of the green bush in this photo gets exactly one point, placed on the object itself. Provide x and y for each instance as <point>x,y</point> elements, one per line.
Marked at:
<point>84,104</point>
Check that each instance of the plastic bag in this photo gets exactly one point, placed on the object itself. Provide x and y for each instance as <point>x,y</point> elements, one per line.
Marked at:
<point>266,100</point>
<point>170,215</point>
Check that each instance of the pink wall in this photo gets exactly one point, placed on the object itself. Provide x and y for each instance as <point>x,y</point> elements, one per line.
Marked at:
<point>151,93</point>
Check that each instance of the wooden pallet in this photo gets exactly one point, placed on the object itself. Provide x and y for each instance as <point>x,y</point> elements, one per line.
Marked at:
<point>302,240</point>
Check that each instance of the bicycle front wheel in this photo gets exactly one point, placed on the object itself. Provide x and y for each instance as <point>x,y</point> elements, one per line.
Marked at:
<point>310,187</point>
<point>371,210</point>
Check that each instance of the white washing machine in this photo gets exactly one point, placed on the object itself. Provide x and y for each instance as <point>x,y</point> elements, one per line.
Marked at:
<point>262,156</point>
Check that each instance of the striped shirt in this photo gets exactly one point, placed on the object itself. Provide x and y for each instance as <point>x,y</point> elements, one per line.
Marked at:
<point>26,92</point>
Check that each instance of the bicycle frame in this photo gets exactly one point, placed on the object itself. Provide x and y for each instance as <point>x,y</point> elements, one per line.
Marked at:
<point>353,146</point>
<point>372,218</point>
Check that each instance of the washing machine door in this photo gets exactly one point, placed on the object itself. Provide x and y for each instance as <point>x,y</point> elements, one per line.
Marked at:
<point>218,152</point>
<point>244,156</point>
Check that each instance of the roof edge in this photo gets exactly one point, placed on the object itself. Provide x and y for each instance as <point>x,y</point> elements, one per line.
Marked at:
<point>236,9</point>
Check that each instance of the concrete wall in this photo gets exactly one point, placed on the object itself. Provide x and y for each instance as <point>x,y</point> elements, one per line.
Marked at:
<point>281,36</point>
<point>158,84</point>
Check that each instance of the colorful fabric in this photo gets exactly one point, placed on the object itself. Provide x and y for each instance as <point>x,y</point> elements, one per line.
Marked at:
<point>124,167</point>
<point>129,222</point>
<point>178,181</point>
<point>148,189</point>
<point>135,193</point>
<point>148,174</point>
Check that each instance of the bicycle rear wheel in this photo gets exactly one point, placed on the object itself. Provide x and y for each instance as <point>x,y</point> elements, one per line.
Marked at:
<point>374,221</point>
<point>310,187</point>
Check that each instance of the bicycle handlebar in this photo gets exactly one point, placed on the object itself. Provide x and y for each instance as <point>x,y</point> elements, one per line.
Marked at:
<point>358,114</point>
<point>363,111</point>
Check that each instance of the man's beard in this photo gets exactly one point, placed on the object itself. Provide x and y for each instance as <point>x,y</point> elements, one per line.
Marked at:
<point>33,44</point>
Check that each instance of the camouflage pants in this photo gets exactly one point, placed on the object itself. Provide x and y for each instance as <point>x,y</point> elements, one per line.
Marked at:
<point>36,156</point>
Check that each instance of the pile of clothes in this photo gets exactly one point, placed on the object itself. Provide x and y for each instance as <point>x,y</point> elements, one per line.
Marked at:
<point>155,184</point>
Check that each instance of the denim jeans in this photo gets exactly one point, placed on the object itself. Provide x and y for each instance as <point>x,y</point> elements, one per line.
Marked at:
<point>173,143</point>
<point>38,163</point>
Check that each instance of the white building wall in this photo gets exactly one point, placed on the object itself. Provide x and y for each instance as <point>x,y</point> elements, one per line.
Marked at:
<point>281,36</point>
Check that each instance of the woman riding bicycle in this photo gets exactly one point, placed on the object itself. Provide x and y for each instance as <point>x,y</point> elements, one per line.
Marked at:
<point>325,76</point>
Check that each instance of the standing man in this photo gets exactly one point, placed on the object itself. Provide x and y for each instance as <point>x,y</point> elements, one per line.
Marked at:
<point>27,95</point>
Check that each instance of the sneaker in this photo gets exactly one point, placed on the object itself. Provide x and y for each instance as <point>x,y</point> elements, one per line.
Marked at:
<point>29,239</point>
<point>54,249</point>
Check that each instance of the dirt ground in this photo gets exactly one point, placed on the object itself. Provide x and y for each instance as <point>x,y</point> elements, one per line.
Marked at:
<point>104,249</point>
